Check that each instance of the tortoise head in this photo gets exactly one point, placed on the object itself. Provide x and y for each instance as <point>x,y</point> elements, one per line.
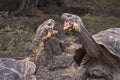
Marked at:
<point>71,22</point>
<point>45,31</point>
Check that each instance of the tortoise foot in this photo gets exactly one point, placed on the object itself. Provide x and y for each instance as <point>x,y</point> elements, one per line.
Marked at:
<point>98,74</point>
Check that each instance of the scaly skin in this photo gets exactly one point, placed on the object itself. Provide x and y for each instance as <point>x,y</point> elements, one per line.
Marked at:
<point>44,32</point>
<point>71,22</point>
<point>97,55</point>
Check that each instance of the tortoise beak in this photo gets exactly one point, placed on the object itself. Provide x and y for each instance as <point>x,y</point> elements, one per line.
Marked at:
<point>66,28</point>
<point>49,35</point>
<point>67,25</point>
<point>54,32</point>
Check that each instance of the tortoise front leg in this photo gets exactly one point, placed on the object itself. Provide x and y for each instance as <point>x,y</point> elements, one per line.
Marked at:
<point>99,74</point>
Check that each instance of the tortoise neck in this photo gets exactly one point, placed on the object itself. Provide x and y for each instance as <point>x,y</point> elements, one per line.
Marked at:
<point>87,41</point>
<point>34,44</point>
<point>92,48</point>
<point>30,49</point>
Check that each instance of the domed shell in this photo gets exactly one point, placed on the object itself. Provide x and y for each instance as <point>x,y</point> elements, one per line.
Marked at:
<point>110,39</point>
<point>12,69</point>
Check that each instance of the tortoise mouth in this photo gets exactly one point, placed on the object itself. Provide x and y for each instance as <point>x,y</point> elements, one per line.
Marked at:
<point>67,25</point>
<point>54,32</point>
<point>49,35</point>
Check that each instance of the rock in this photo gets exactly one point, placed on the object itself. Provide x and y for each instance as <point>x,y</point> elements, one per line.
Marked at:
<point>60,69</point>
<point>60,66</point>
<point>63,61</point>
<point>52,46</point>
<point>12,69</point>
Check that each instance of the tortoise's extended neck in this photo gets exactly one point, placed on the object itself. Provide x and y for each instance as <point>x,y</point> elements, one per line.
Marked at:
<point>30,49</point>
<point>87,41</point>
<point>34,44</point>
<point>91,47</point>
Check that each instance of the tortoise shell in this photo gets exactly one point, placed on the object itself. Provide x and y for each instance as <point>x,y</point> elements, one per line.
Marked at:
<point>110,39</point>
<point>12,69</point>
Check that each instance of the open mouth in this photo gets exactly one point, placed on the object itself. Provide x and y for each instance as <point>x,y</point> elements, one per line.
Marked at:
<point>66,24</point>
<point>50,34</point>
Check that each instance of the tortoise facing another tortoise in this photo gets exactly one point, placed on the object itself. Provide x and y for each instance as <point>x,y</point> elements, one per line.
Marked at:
<point>12,69</point>
<point>102,50</point>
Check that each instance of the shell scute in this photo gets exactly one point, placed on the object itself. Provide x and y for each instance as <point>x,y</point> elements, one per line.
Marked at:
<point>110,39</point>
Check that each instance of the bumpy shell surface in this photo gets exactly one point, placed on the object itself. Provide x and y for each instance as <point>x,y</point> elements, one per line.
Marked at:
<point>12,69</point>
<point>110,39</point>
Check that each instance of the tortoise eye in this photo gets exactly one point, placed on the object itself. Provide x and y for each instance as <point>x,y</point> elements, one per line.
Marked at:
<point>69,15</point>
<point>49,24</point>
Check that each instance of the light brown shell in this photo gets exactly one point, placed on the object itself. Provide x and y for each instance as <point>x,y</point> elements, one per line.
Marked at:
<point>110,39</point>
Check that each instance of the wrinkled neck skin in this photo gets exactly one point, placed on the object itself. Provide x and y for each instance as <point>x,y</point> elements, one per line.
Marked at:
<point>34,44</point>
<point>91,47</point>
<point>85,38</point>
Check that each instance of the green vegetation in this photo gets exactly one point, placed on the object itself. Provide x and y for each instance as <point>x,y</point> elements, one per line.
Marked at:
<point>17,38</point>
<point>101,22</point>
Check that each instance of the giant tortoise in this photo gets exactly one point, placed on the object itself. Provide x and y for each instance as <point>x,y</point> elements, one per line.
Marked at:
<point>101,51</point>
<point>12,69</point>
<point>44,32</point>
